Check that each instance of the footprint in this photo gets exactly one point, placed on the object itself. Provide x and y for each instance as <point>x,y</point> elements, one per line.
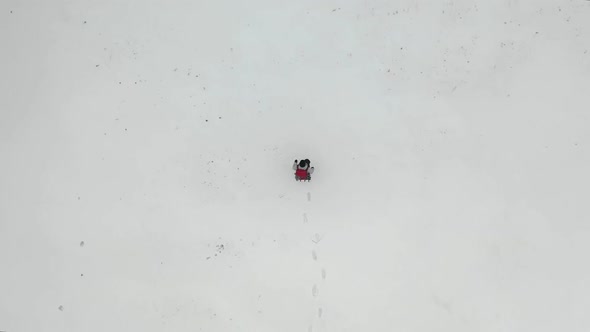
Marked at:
<point>305,218</point>
<point>61,308</point>
<point>320,312</point>
<point>314,255</point>
<point>309,197</point>
<point>315,291</point>
<point>324,274</point>
<point>316,238</point>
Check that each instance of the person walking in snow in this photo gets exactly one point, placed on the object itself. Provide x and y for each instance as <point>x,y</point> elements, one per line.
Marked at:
<point>303,170</point>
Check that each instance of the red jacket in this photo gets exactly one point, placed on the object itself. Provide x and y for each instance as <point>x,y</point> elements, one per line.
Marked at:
<point>302,173</point>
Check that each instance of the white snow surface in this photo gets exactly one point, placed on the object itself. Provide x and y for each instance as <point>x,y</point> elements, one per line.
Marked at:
<point>146,151</point>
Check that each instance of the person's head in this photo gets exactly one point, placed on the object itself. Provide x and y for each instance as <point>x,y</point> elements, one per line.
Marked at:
<point>302,163</point>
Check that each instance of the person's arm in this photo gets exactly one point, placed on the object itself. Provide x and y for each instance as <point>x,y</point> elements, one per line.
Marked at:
<point>295,165</point>
<point>310,171</point>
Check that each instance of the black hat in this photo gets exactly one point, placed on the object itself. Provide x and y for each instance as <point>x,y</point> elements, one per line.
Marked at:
<point>302,163</point>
